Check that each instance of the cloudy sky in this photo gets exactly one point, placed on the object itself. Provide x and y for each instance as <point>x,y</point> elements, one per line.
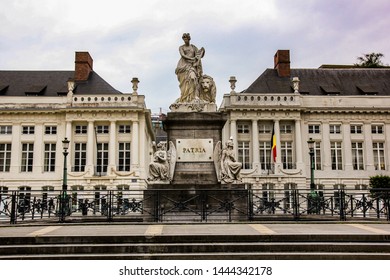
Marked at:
<point>140,38</point>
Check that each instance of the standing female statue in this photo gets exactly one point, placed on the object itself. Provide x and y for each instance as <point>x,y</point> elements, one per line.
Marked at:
<point>189,70</point>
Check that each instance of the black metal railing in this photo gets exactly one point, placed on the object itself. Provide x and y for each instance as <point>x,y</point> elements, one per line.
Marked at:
<point>203,205</point>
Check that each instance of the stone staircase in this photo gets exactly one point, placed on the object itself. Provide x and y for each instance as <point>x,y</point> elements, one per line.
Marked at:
<point>186,247</point>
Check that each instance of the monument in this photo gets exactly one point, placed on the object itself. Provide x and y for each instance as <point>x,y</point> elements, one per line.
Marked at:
<point>194,162</point>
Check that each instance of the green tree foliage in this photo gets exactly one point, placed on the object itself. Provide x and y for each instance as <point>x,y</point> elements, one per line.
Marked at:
<point>380,186</point>
<point>371,60</point>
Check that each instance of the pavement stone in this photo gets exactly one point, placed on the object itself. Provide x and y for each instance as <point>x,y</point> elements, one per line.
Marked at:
<point>194,229</point>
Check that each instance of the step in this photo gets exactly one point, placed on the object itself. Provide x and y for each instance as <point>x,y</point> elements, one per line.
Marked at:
<point>209,256</point>
<point>182,248</point>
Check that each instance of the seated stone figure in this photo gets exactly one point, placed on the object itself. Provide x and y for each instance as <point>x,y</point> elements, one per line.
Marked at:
<point>230,168</point>
<point>159,168</point>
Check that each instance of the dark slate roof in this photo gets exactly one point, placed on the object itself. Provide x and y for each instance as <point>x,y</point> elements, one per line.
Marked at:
<point>354,81</point>
<point>49,83</point>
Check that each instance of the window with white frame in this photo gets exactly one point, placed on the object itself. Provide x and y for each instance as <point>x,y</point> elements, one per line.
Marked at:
<point>102,158</point>
<point>337,189</point>
<point>265,155</point>
<point>287,155</point>
<point>124,156</point>
<point>377,129</point>
<point>317,156</point>
<point>80,157</point>
<point>379,155</point>
<point>3,189</point>
<point>27,157</point>
<point>102,129</point>
<point>51,129</point>
<point>124,128</point>
<point>243,128</point>
<point>24,198</point>
<point>285,128</point>
<point>265,128</point>
<point>356,129</point>
<point>5,129</point>
<point>334,129</point>
<point>268,192</point>
<point>80,129</point>
<point>28,129</point>
<point>314,128</point>
<point>288,195</point>
<point>336,155</point>
<point>357,156</point>
<point>5,157</point>
<point>243,154</point>
<point>50,157</point>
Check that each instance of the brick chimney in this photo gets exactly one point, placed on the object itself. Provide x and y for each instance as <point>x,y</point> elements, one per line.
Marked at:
<point>282,63</point>
<point>83,66</point>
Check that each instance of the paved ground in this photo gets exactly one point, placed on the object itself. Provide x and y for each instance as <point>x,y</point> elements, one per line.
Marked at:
<point>194,229</point>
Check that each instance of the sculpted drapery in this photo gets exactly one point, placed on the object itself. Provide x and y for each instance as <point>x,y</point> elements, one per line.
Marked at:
<point>189,70</point>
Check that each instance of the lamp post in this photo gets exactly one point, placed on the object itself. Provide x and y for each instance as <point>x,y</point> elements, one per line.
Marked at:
<point>65,146</point>
<point>312,198</point>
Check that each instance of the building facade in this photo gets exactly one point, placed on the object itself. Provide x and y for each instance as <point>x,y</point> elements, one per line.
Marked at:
<point>345,110</point>
<point>110,133</point>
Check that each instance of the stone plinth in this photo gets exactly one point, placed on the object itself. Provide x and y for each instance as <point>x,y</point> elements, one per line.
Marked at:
<point>187,126</point>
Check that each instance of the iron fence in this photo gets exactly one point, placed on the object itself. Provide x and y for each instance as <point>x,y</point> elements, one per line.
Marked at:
<point>204,205</point>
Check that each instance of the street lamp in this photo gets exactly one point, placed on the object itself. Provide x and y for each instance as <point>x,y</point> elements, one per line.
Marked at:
<point>64,197</point>
<point>312,198</point>
<point>310,143</point>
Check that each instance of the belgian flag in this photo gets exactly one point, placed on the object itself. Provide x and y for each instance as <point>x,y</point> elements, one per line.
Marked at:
<point>273,145</point>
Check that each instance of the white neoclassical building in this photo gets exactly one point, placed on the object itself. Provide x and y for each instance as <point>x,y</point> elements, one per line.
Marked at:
<point>110,132</point>
<point>345,110</point>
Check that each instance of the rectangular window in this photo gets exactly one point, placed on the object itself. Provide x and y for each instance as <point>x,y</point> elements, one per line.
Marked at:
<point>124,156</point>
<point>28,129</point>
<point>243,154</point>
<point>335,129</point>
<point>102,129</point>
<point>285,129</point>
<point>5,157</point>
<point>80,129</point>
<point>80,157</point>
<point>265,128</point>
<point>356,129</point>
<point>268,194</point>
<point>289,195</point>
<point>124,129</point>
<point>337,194</point>
<point>243,128</point>
<point>265,155</point>
<point>336,155</point>
<point>51,129</point>
<point>101,159</point>
<point>314,129</point>
<point>27,157</point>
<point>379,156</point>
<point>287,155</point>
<point>50,157</point>
<point>357,156</point>
<point>377,129</point>
<point>317,156</point>
<point>5,129</point>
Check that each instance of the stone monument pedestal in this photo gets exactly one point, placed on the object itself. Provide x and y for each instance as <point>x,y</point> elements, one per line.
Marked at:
<point>194,135</point>
<point>194,194</point>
